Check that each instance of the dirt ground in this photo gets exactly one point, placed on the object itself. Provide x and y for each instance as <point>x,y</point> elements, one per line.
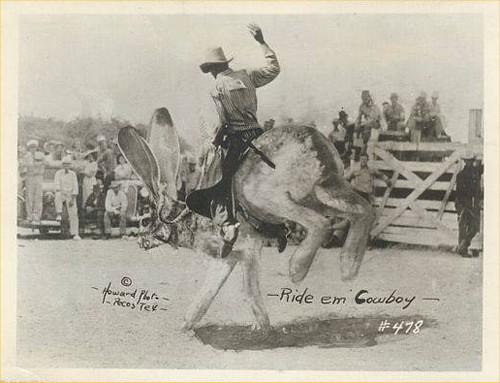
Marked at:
<point>63,322</point>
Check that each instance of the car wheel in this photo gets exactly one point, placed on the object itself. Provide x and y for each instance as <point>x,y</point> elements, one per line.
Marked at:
<point>43,230</point>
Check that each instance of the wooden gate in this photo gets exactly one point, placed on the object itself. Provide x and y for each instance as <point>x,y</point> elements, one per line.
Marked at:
<point>419,207</point>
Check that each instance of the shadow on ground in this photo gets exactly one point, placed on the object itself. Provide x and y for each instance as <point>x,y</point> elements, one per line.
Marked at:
<point>328,332</point>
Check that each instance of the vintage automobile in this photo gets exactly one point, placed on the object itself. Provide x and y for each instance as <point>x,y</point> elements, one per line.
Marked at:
<point>138,211</point>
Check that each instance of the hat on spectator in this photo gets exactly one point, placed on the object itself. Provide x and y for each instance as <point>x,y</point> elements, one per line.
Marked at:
<point>39,156</point>
<point>213,56</point>
<point>67,160</point>
<point>32,143</point>
<point>394,95</point>
<point>435,94</point>
<point>100,138</point>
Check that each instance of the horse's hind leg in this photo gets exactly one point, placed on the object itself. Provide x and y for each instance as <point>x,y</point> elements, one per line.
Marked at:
<point>251,270</point>
<point>346,203</point>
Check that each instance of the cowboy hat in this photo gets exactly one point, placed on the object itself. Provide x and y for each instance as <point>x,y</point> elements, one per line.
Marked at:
<point>32,143</point>
<point>214,56</point>
<point>100,138</point>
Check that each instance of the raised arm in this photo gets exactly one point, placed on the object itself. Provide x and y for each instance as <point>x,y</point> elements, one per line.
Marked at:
<point>267,73</point>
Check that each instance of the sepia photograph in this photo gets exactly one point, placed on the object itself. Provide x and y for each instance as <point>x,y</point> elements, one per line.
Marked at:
<point>251,188</point>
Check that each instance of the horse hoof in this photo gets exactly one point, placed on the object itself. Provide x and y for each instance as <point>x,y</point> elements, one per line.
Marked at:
<point>187,325</point>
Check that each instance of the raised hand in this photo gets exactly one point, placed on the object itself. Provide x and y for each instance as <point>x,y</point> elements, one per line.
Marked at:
<point>256,32</point>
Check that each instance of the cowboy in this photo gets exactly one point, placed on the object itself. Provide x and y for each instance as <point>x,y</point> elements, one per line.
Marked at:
<point>66,185</point>
<point>394,114</point>
<point>368,117</point>
<point>235,98</point>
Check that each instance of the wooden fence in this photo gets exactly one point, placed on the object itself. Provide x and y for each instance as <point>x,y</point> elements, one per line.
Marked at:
<point>419,207</point>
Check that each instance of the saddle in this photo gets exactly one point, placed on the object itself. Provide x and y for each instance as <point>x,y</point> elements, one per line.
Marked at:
<point>201,201</point>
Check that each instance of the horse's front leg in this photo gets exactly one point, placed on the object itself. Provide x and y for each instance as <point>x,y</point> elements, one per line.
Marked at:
<point>217,274</point>
<point>251,270</point>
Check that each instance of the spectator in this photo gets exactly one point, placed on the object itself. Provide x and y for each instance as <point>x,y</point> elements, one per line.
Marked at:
<point>58,153</point>
<point>467,203</point>
<point>368,117</point>
<point>105,161</point>
<point>362,178</point>
<point>190,178</point>
<point>268,125</point>
<point>349,135</point>
<point>123,170</point>
<point>66,186</point>
<point>35,167</point>
<point>116,207</point>
<point>77,150</point>
<point>419,120</point>
<point>394,115</point>
<point>95,207</point>
<point>49,148</point>
<point>337,136</point>
<point>89,173</point>
<point>436,119</point>
<point>21,165</point>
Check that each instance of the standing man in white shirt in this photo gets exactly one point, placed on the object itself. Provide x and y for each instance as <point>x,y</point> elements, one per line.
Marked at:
<point>66,185</point>
<point>116,206</point>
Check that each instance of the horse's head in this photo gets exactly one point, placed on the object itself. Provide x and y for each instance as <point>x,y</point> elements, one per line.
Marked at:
<point>156,163</point>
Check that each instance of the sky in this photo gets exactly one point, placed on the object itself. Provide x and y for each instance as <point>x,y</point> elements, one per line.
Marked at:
<point>129,65</point>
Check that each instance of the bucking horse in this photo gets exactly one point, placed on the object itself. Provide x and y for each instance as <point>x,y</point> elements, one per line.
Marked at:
<point>306,187</point>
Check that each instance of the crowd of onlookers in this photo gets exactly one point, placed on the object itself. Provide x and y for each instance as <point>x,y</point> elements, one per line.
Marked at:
<point>90,183</point>
<point>425,122</point>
